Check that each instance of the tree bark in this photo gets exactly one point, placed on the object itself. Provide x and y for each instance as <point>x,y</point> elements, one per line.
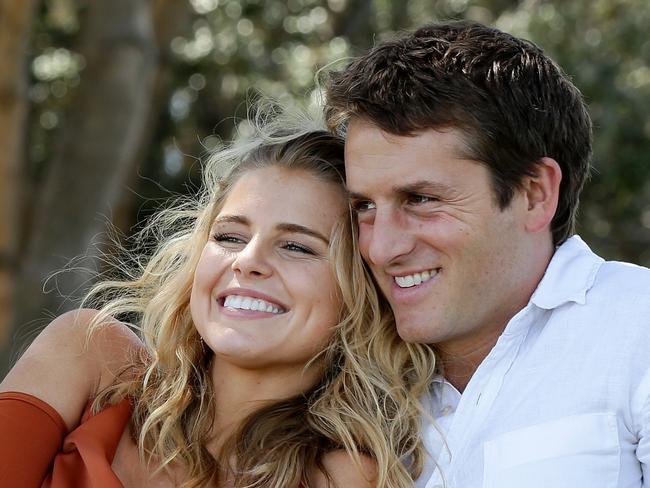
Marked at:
<point>16,18</point>
<point>100,137</point>
<point>171,18</point>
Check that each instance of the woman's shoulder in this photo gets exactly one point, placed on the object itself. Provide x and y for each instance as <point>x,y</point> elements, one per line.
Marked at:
<point>343,471</point>
<point>73,358</point>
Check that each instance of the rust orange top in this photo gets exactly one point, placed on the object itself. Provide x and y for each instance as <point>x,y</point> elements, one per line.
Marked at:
<point>36,451</point>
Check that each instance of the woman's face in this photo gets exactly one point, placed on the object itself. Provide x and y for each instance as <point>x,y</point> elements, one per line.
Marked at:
<point>264,294</point>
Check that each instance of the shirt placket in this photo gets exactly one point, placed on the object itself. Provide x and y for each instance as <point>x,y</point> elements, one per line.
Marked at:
<point>477,400</point>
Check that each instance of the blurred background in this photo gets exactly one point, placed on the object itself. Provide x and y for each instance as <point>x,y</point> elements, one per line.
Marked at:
<point>108,106</point>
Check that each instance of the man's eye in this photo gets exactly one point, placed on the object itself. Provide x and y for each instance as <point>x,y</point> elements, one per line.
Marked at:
<point>296,247</point>
<point>360,206</point>
<point>419,199</point>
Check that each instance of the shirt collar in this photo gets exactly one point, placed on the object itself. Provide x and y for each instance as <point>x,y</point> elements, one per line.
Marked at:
<point>569,275</point>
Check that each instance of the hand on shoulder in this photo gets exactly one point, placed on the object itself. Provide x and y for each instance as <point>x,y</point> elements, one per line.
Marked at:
<point>65,366</point>
<point>344,472</point>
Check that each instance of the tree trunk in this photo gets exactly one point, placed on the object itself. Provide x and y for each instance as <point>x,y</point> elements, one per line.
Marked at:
<point>100,137</point>
<point>16,18</point>
<point>171,18</point>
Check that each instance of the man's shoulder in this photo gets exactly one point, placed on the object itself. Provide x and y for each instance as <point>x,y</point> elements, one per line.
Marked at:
<point>623,279</point>
<point>576,261</point>
<point>611,298</point>
<point>577,275</point>
<point>617,306</point>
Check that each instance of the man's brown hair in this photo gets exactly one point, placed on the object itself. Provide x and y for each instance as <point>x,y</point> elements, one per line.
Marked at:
<point>513,104</point>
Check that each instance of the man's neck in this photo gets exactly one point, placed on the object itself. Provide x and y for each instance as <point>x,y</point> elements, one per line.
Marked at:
<point>460,357</point>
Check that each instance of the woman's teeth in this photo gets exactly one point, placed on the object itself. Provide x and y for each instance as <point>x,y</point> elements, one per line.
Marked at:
<point>248,303</point>
<point>415,279</point>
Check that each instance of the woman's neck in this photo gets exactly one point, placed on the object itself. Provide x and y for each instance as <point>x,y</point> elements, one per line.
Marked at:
<point>241,391</point>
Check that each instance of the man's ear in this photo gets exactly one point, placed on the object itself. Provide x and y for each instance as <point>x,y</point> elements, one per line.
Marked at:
<point>542,192</point>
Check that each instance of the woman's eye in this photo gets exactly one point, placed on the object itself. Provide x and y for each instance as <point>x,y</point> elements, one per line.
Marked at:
<point>228,239</point>
<point>296,247</point>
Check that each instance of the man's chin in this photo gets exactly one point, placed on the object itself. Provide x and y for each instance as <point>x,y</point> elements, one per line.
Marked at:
<point>413,333</point>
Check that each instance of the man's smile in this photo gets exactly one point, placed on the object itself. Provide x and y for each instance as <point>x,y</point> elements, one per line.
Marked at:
<point>410,280</point>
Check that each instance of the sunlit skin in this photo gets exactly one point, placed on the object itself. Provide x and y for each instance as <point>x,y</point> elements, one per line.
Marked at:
<point>269,241</point>
<point>424,206</point>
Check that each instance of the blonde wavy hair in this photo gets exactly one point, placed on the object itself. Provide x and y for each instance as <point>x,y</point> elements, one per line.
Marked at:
<point>367,401</point>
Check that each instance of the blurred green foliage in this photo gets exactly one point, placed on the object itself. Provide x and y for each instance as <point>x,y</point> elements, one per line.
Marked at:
<point>239,47</point>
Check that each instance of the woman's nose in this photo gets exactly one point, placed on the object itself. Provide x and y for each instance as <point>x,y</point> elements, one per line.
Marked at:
<point>252,260</point>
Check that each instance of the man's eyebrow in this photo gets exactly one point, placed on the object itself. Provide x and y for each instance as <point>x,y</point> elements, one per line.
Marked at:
<point>355,196</point>
<point>301,229</point>
<point>414,187</point>
<point>423,186</point>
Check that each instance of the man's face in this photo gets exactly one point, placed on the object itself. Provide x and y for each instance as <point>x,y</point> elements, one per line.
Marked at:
<point>448,260</point>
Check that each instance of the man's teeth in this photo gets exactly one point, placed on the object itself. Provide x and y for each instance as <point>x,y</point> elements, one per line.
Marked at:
<point>248,303</point>
<point>415,279</point>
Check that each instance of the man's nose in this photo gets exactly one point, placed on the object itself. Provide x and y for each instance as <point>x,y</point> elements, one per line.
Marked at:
<point>387,239</point>
<point>252,260</point>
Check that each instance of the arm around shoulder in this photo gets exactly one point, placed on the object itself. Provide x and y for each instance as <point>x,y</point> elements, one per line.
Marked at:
<point>344,472</point>
<point>65,367</point>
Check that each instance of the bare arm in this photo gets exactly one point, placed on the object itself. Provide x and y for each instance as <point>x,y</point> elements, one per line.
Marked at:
<point>64,370</point>
<point>344,473</point>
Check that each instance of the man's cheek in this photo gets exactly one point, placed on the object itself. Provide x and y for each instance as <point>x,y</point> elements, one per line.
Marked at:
<point>365,237</point>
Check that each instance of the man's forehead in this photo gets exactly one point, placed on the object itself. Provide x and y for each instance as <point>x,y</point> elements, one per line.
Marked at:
<point>366,139</point>
<point>362,133</point>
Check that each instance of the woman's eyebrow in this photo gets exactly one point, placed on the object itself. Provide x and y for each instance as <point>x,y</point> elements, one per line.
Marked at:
<point>232,219</point>
<point>301,229</point>
<point>285,226</point>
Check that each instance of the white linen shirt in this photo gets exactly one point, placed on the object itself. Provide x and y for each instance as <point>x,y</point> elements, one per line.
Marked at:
<point>562,400</point>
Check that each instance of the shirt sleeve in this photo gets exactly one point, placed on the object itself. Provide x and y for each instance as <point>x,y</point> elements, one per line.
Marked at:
<point>32,433</point>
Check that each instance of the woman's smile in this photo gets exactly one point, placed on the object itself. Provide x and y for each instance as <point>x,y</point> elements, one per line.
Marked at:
<point>247,303</point>
<point>267,263</point>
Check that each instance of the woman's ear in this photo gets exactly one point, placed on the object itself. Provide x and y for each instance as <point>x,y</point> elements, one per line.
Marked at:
<point>542,192</point>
